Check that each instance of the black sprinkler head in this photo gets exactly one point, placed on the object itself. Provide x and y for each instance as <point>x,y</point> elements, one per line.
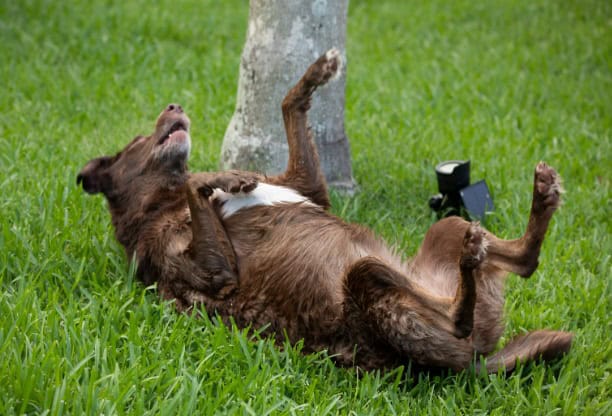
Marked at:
<point>457,196</point>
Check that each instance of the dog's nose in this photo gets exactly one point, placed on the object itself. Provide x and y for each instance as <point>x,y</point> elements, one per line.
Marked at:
<point>174,108</point>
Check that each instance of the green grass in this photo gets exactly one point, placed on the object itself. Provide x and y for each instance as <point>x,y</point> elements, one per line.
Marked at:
<point>504,83</point>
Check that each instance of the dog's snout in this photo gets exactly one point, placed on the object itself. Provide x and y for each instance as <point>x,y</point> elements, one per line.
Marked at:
<point>174,108</point>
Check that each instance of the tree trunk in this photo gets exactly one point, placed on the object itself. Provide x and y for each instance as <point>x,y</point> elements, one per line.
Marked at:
<point>284,37</point>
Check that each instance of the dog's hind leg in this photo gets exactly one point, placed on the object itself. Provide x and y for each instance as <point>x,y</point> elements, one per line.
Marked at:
<point>435,264</point>
<point>520,256</point>
<point>436,268</point>
<point>303,169</point>
<point>442,243</point>
<point>431,330</point>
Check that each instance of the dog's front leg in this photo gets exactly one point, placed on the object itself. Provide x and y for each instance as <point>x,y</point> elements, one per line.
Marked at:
<point>303,169</point>
<point>214,270</point>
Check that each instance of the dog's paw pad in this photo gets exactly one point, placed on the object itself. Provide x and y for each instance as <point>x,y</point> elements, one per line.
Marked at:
<point>328,66</point>
<point>244,184</point>
<point>474,246</point>
<point>547,186</point>
<point>234,182</point>
<point>333,63</point>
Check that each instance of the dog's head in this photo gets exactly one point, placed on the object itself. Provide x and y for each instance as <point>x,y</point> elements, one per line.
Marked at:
<point>146,163</point>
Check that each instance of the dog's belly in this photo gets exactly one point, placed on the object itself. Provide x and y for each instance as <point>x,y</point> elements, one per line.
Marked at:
<point>293,259</point>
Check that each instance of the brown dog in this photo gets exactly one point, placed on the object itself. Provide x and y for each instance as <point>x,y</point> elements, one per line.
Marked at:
<point>265,251</point>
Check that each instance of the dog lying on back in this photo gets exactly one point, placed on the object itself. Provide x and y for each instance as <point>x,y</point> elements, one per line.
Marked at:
<point>266,252</point>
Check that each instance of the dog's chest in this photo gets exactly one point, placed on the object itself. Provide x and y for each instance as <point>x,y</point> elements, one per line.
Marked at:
<point>264,194</point>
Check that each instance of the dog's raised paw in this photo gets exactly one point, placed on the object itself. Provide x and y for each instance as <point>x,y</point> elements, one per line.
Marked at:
<point>474,246</point>
<point>547,187</point>
<point>244,185</point>
<point>333,65</point>
<point>236,181</point>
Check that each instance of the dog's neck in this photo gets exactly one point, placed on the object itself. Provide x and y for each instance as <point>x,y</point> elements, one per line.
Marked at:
<point>133,215</point>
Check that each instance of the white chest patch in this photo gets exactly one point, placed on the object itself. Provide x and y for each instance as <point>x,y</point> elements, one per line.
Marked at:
<point>264,194</point>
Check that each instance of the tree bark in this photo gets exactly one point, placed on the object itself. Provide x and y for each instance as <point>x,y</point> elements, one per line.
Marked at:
<point>284,37</point>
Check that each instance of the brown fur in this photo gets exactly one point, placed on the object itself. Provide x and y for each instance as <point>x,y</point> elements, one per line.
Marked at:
<point>305,274</point>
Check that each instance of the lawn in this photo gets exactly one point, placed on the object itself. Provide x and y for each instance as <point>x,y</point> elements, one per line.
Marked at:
<point>504,83</point>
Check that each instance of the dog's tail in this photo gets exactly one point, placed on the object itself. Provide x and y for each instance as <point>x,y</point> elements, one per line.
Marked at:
<point>542,345</point>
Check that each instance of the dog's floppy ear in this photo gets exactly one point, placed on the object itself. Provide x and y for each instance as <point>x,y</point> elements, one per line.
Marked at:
<point>94,176</point>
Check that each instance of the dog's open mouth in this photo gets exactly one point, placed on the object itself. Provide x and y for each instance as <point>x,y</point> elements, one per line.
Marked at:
<point>176,126</point>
